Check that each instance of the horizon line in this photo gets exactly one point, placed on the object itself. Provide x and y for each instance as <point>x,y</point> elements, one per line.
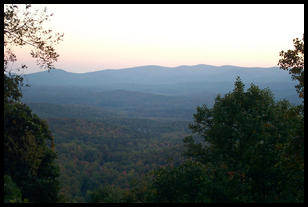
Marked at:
<point>110,69</point>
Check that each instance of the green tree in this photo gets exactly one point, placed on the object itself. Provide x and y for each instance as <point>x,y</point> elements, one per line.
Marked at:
<point>185,183</point>
<point>293,61</point>
<point>105,194</point>
<point>12,193</point>
<point>242,134</point>
<point>29,159</point>
<point>29,154</point>
<point>292,156</point>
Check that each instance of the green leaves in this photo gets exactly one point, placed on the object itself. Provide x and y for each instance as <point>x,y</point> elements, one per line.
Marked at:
<point>243,135</point>
<point>293,61</point>
<point>105,194</point>
<point>12,193</point>
<point>185,183</point>
<point>29,160</point>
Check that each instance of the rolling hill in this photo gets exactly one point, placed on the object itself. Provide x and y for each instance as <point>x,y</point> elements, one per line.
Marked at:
<point>152,91</point>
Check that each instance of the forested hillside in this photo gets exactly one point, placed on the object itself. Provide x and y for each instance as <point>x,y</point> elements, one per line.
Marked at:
<point>116,138</point>
<point>188,81</point>
<point>96,148</point>
<point>151,91</point>
<point>93,154</point>
<point>149,134</point>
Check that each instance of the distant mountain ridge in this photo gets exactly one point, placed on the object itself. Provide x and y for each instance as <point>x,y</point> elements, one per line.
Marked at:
<point>153,91</point>
<point>156,75</point>
<point>181,80</point>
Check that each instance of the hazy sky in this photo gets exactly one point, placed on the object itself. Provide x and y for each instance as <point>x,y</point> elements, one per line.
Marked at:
<point>112,36</point>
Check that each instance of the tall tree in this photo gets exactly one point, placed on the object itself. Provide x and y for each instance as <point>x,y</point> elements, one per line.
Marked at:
<point>242,134</point>
<point>29,161</point>
<point>29,156</point>
<point>292,156</point>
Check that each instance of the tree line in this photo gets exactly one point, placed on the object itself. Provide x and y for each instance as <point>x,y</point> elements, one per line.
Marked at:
<point>246,148</point>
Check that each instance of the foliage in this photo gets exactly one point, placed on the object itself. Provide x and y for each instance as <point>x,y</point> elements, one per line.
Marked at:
<point>185,183</point>
<point>12,90</point>
<point>105,194</point>
<point>24,27</point>
<point>104,152</point>
<point>28,147</point>
<point>29,156</point>
<point>195,182</point>
<point>247,148</point>
<point>29,163</point>
<point>293,61</point>
<point>292,156</point>
<point>242,133</point>
<point>12,193</point>
<point>93,153</point>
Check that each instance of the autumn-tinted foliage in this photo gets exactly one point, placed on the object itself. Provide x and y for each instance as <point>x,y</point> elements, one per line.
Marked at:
<point>240,151</point>
<point>97,154</point>
<point>247,148</point>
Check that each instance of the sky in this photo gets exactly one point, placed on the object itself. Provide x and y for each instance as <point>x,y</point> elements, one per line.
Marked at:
<point>113,36</point>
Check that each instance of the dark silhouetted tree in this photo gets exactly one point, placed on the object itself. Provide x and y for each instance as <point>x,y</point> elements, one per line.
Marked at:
<point>242,135</point>
<point>29,161</point>
<point>292,158</point>
<point>293,61</point>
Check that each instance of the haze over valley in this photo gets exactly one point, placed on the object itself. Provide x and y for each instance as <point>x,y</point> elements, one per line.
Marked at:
<point>150,91</point>
<point>153,103</point>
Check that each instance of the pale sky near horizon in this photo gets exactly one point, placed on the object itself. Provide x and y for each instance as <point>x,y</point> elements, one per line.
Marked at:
<point>112,36</point>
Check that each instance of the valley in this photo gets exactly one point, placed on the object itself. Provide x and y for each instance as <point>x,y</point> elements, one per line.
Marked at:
<point>113,127</point>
